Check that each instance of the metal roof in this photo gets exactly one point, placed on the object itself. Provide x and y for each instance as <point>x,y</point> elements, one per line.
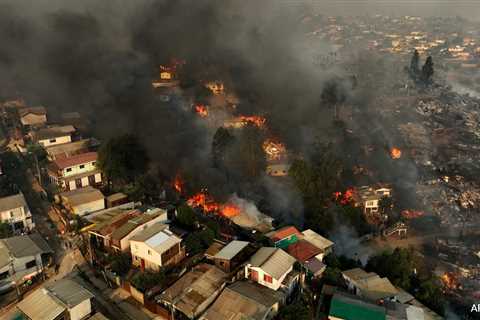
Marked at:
<point>157,237</point>
<point>231,250</point>
<point>28,245</point>
<point>12,202</point>
<point>70,292</point>
<point>54,132</point>
<point>39,305</point>
<point>132,224</point>
<point>316,239</point>
<point>273,261</point>
<point>344,307</point>
<point>82,196</point>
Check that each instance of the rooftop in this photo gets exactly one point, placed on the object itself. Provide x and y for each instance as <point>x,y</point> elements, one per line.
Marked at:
<point>74,160</point>
<point>157,237</point>
<point>349,308</point>
<point>371,285</point>
<point>25,246</point>
<point>132,224</point>
<point>83,195</point>
<point>70,292</point>
<point>35,110</point>
<point>70,149</point>
<point>283,233</point>
<point>107,223</point>
<point>273,261</point>
<point>12,202</point>
<point>54,131</point>
<point>303,250</point>
<point>317,240</point>
<point>191,291</point>
<point>231,250</point>
<point>243,300</point>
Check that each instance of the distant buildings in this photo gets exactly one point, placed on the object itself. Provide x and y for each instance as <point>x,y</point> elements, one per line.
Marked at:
<point>33,117</point>
<point>15,212</point>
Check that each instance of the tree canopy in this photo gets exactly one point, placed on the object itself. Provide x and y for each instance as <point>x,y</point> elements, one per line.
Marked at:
<point>123,159</point>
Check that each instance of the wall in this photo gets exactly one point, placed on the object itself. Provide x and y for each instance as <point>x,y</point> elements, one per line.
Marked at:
<point>140,250</point>
<point>81,310</point>
<point>58,140</point>
<point>89,207</point>
<point>88,166</point>
<point>19,214</point>
<point>276,283</point>
<point>32,119</point>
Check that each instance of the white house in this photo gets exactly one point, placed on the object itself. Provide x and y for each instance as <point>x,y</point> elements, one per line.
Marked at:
<point>82,201</point>
<point>54,135</point>
<point>64,299</point>
<point>269,267</point>
<point>75,172</point>
<point>34,116</point>
<point>156,246</point>
<point>369,285</point>
<point>21,258</point>
<point>14,211</point>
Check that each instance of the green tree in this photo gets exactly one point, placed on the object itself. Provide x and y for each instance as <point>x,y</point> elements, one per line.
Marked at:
<point>222,140</point>
<point>198,241</point>
<point>5,230</point>
<point>294,311</point>
<point>186,217</point>
<point>143,281</point>
<point>123,159</point>
<point>430,293</point>
<point>398,266</point>
<point>120,263</point>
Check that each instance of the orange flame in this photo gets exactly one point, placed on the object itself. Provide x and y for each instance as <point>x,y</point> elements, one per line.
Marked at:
<point>449,281</point>
<point>201,110</point>
<point>255,120</point>
<point>395,153</point>
<point>178,184</point>
<point>206,202</point>
<point>346,197</point>
<point>275,150</point>
<point>412,214</point>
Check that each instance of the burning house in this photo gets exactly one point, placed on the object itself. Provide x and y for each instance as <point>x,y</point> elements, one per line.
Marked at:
<point>369,198</point>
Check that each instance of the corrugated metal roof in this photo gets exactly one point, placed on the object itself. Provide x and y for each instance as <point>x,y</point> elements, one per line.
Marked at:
<point>132,224</point>
<point>74,160</point>
<point>54,132</point>
<point>317,240</point>
<point>12,202</point>
<point>348,308</point>
<point>157,237</point>
<point>273,261</point>
<point>70,292</point>
<point>28,245</point>
<point>83,195</point>
<point>231,250</point>
<point>39,305</point>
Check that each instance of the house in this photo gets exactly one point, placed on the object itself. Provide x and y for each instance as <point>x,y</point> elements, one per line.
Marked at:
<point>270,267</point>
<point>244,300</point>
<point>64,299</point>
<point>54,135</point>
<point>345,307</point>
<point>33,117</point>
<point>82,201</point>
<point>193,292</point>
<point>22,258</point>
<point>325,245</point>
<point>368,197</point>
<point>303,250</point>
<point>75,172</point>
<point>156,246</point>
<point>216,87</point>
<point>66,150</point>
<point>14,211</point>
<point>121,236</point>
<point>278,169</point>
<point>369,285</point>
<point>232,255</point>
<point>116,199</point>
<point>283,237</point>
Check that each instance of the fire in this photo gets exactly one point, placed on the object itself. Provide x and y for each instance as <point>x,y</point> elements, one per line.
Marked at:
<point>395,153</point>
<point>255,120</point>
<point>201,110</point>
<point>412,214</point>
<point>275,150</point>
<point>178,184</point>
<point>449,281</point>
<point>207,203</point>
<point>346,197</point>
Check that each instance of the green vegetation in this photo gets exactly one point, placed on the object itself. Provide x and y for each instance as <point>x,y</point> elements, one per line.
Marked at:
<point>120,263</point>
<point>198,241</point>
<point>186,217</point>
<point>294,311</point>
<point>123,159</point>
<point>5,230</point>
<point>144,281</point>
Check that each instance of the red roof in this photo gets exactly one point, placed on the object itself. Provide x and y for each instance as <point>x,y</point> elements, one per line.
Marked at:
<point>75,160</point>
<point>303,250</point>
<point>284,233</point>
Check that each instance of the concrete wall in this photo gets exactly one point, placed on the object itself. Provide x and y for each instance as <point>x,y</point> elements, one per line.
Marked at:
<point>276,283</point>
<point>125,242</point>
<point>81,310</point>
<point>74,170</point>
<point>17,215</point>
<point>55,141</point>
<point>89,207</point>
<point>141,251</point>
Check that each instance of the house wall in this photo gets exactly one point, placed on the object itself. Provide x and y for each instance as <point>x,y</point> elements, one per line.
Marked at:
<point>140,251</point>
<point>125,242</point>
<point>16,215</point>
<point>89,207</point>
<point>74,170</point>
<point>81,310</point>
<point>23,273</point>
<point>55,141</point>
<point>276,283</point>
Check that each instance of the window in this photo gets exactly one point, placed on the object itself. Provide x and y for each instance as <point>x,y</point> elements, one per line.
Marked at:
<point>82,166</point>
<point>68,169</point>
<point>149,252</point>
<point>267,278</point>
<point>94,163</point>
<point>4,275</point>
<point>30,264</point>
<point>11,214</point>
<point>53,140</point>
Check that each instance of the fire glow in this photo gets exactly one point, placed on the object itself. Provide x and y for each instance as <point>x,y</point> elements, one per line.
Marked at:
<point>206,202</point>
<point>346,197</point>
<point>395,153</point>
<point>275,150</point>
<point>201,110</point>
<point>255,120</point>
<point>178,184</point>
